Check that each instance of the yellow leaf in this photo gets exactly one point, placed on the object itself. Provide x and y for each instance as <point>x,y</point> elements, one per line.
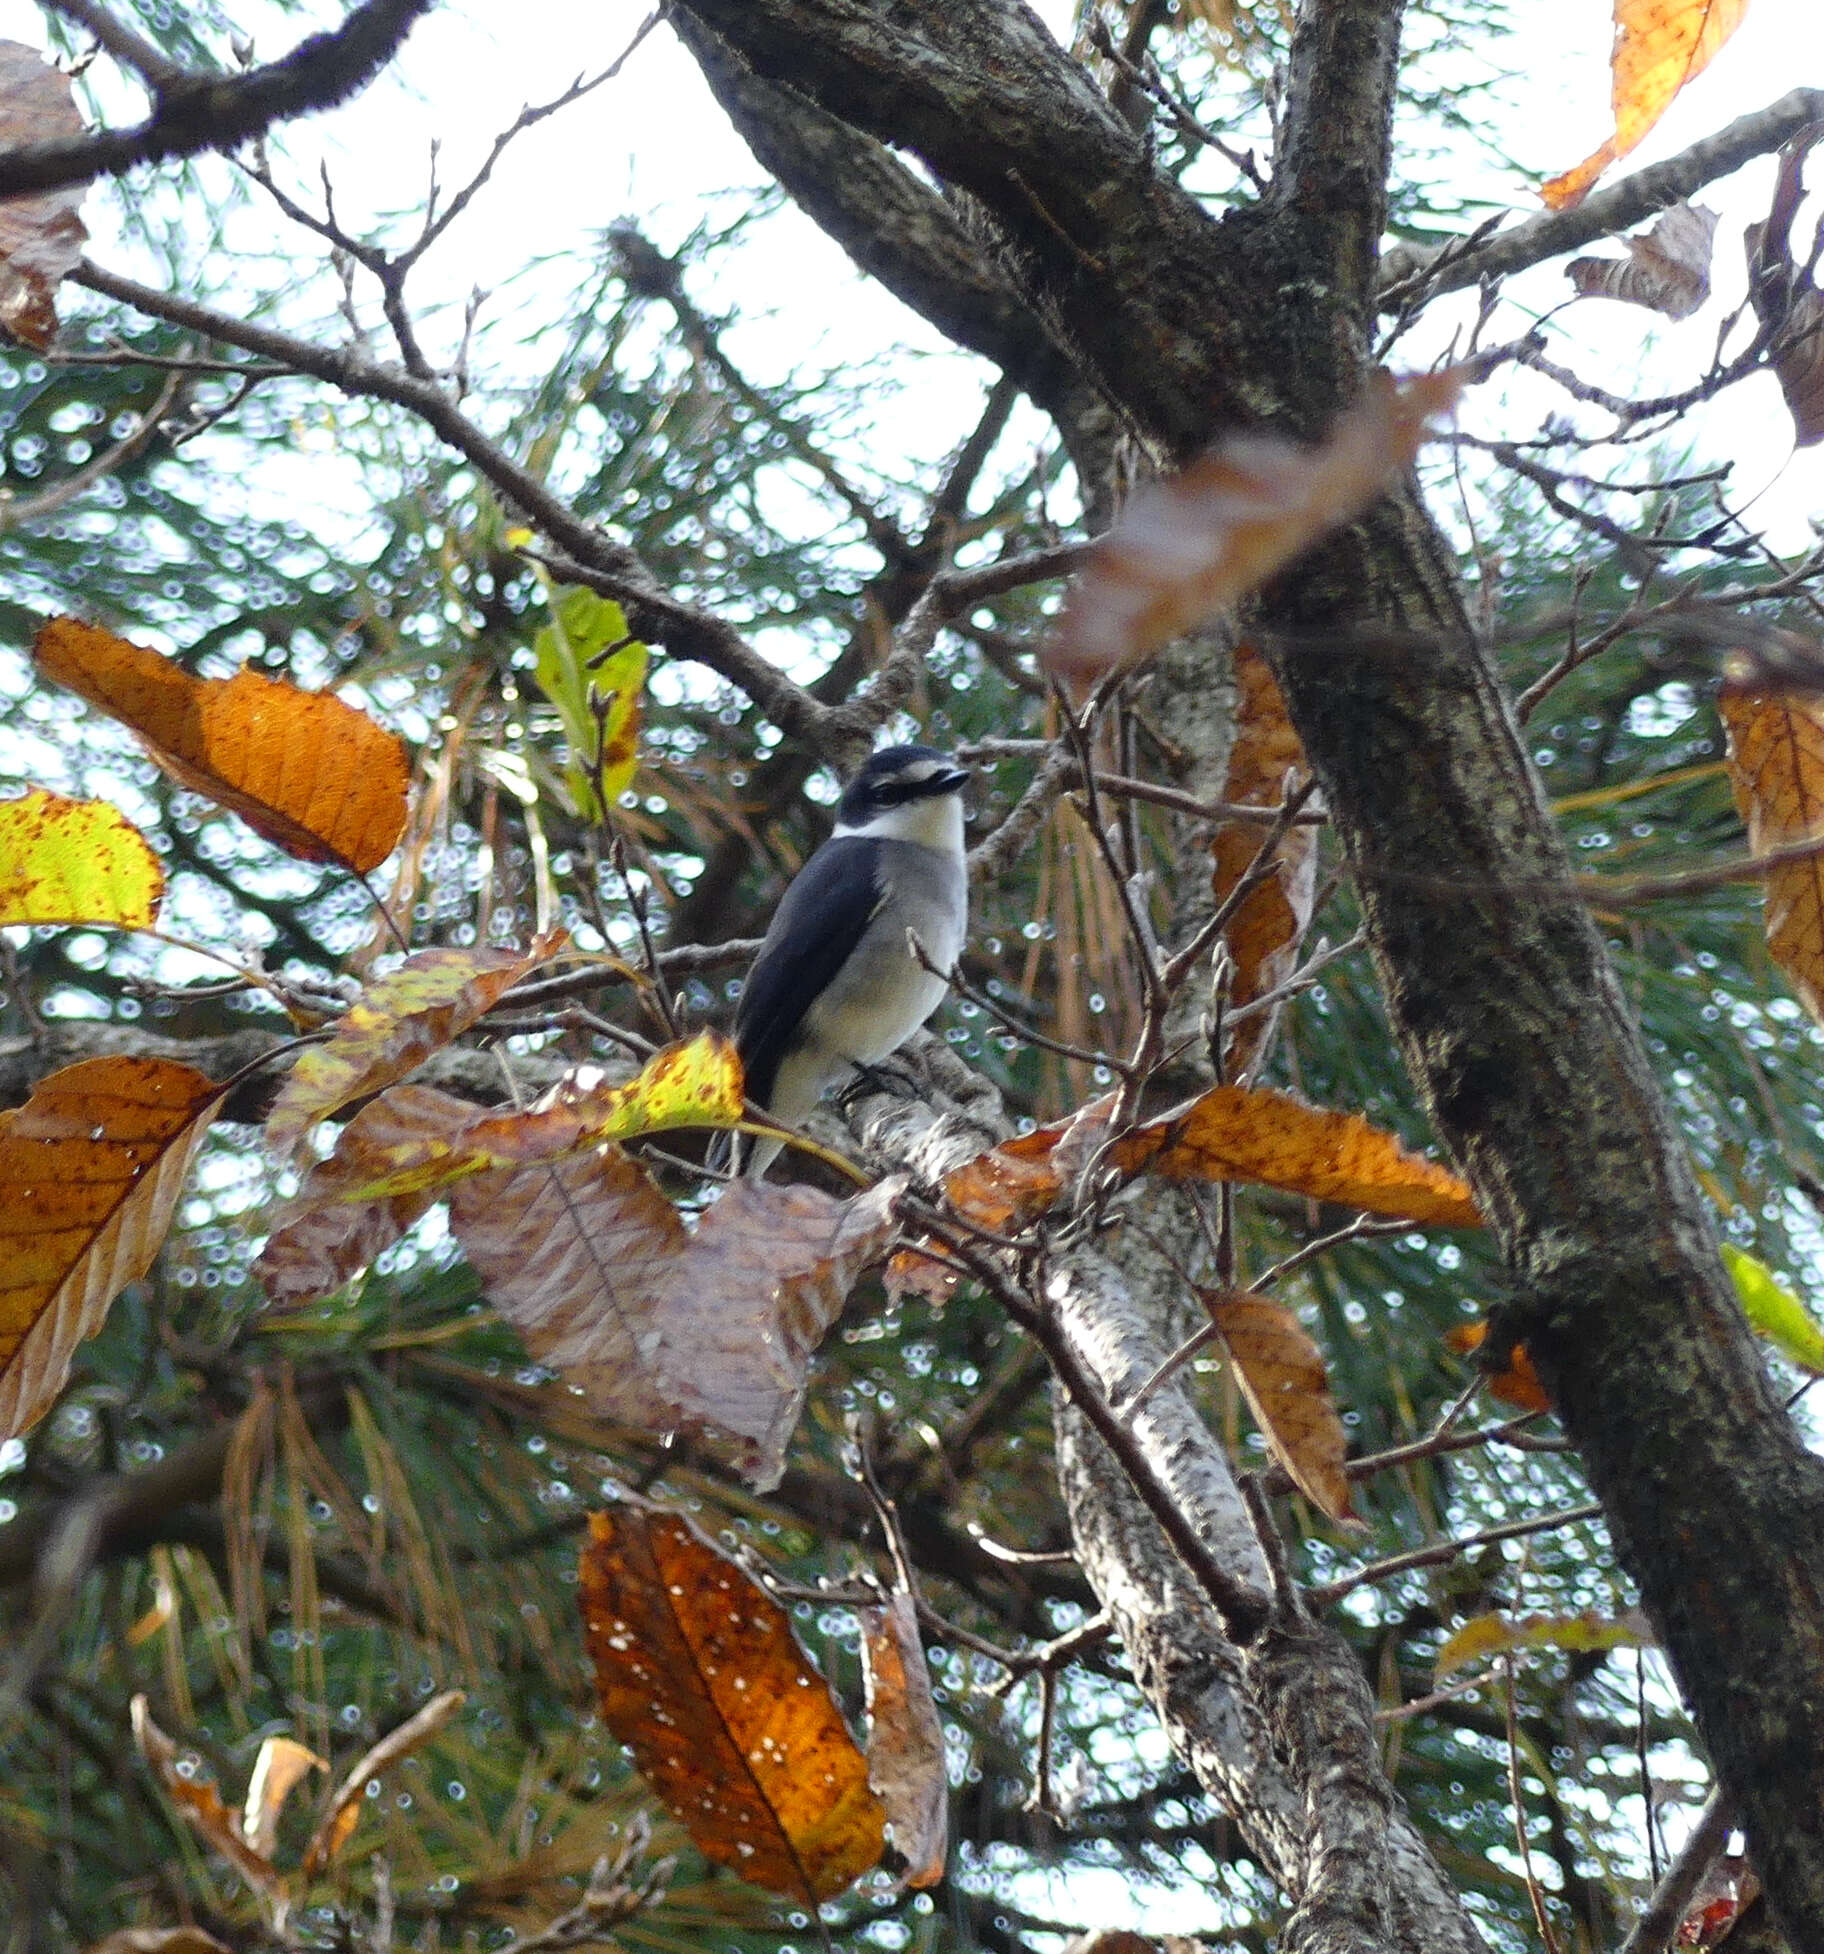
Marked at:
<point>398,1022</point>
<point>64,861</point>
<point>311,774</point>
<point>1659,46</point>
<point>699,1675</point>
<point>1585,1634</point>
<point>91,1167</point>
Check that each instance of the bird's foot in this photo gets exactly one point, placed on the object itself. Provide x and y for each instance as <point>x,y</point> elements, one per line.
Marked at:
<point>895,1080</point>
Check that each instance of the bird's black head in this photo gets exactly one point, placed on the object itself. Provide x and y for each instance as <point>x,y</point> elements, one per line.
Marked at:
<point>898,776</point>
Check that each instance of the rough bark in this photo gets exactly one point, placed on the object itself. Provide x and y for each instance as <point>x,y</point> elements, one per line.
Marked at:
<point>1500,990</point>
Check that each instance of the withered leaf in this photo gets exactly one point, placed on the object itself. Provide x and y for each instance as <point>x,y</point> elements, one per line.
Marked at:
<point>1776,766</point>
<point>201,1803</point>
<point>699,1675</point>
<point>41,235</point>
<point>1667,269</point>
<point>1516,1382</point>
<point>397,1023</point>
<point>905,1739</point>
<point>1786,299</point>
<point>1233,1133</point>
<point>1495,1634</point>
<point>1187,546</point>
<point>321,1238</point>
<point>311,774</point>
<point>281,1766</point>
<point>1659,46</point>
<point>91,1167</point>
<point>1264,933</point>
<point>344,1811</point>
<point>1282,1376</point>
<point>64,861</point>
<point>656,1325</point>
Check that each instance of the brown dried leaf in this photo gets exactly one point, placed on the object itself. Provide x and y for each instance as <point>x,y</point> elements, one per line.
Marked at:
<point>321,1238</point>
<point>1668,269</point>
<point>1282,1376</point>
<point>1659,46</point>
<point>281,1766</point>
<point>1264,933</point>
<point>1785,298</point>
<point>659,1327</point>
<point>1776,766</point>
<point>344,1811</point>
<point>64,861</point>
<point>398,1022</point>
<point>1233,1133</point>
<point>695,1083</point>
<point>41,235</point>
<point>905,1739</point>
<point>201,1804</point>
<point>1186,547</point>
<point>699,1675</point>
<point>311,774</point>
<point>159,1940</point>
<point>91,1167</point>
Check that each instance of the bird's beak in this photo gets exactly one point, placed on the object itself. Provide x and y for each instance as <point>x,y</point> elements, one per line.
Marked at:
<point>956,777</point>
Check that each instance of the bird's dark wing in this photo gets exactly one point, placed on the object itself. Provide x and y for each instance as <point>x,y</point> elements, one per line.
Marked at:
<point>814,932</point>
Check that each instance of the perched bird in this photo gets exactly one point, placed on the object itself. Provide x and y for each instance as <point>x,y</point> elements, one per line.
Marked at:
<point>836,984</point>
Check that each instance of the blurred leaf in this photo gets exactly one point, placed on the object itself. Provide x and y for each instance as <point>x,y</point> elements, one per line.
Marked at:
<point>658,1326</point>
<point>41,236</point>
<point>281,1766</point>
<point>699,1675</point>
<point>395,1025</point>
<point>1667,269</point>
<point>1517,1383</point>
<point>312,775</point>
<point>1282,1376</point>
<point>159,1940</point>
<point>1776,766</point>
<point>1775,1310</point>
<point>1584,1634</point>
<point>64,861</point>
<point>905,1739</point>
<point>1187,546</point>
<point>1785,295</point>
<point>587,651</point>
<point>1660,45</point>
<point>91,1167</point>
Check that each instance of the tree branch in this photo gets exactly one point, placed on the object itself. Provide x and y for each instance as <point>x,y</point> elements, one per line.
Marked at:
<point>193,113</point>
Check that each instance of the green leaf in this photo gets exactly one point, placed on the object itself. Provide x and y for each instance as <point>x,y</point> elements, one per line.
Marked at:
<point>575,675</point>
<point>1775,1311</point>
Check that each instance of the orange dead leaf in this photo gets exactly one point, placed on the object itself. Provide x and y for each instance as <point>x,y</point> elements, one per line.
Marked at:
<point>311,774</point>
<point>64,861</point>
<point>41,235</point>
<point>397,1023</point>
<point>1668,269</point>
<point>655,1325</point>
<point>1186,547</point>
<point>699,1675</point>
<point>322,1238</point>
<point>905,1739</point>
<point>1232,1133</point>
<point>345,1807</point>
<point>1517,1383</point>
<point>91,1167</point>
<point>201,1804</point>
<point>1776,766</point>
<point>281,1766</point>
<point>1264,933</point>
<point>1282,1376</point>
<point>1659,46</point>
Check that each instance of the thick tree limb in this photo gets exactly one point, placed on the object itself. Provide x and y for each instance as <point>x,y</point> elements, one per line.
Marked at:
<point>193,113</point>
<point>1405,271</point>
